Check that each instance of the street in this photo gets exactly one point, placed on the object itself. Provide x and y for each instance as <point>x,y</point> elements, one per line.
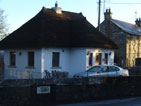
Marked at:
<point>116,102</point>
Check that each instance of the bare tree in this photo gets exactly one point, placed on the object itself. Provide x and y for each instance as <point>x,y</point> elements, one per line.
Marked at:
<point>3,25</point>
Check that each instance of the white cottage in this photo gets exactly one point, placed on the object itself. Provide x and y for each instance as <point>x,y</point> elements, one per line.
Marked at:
<point>55,40</point>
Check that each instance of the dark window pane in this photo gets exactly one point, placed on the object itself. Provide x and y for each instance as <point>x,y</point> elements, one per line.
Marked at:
<point>90,59</point>
<point>106,58</point>
<point>30,58</point>
<point>112,68</point>
<point>55,59</point>
<point>94,69</point>
<point>12,58</point>
<point>105,69</point>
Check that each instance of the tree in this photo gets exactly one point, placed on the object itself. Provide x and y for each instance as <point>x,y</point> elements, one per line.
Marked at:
<point>3,25</point>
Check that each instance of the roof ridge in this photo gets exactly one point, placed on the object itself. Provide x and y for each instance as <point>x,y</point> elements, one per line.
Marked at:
<point>124,22</point>
<point>79,13</point>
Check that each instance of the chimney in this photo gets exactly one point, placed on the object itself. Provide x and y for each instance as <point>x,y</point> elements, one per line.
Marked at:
<point>108,14</point>
<point>138,22</point>
<point>57,9</point>
<point>56,4</point>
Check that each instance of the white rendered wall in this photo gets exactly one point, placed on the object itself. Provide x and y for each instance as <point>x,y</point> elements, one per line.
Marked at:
<point>64,59</point>
<point>72,60</point>
<point>77,60</point>
<point>21,70</point>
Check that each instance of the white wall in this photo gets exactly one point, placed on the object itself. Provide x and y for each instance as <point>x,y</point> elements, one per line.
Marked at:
<point>72,60</point>
<point>77,60</point>
<point>21,70</point>
<point>47,59</point>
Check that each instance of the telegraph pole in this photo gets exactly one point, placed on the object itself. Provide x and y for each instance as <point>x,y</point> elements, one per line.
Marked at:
<point>99,12</point>
<point>135,15</point>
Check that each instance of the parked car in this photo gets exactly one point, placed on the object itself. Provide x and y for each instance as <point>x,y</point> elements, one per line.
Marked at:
<point>103,70</point>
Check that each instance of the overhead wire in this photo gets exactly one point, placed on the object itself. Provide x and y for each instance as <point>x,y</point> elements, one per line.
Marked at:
<point>122,3</point>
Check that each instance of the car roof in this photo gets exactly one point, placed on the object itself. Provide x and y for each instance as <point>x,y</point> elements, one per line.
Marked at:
<point>107,65</point>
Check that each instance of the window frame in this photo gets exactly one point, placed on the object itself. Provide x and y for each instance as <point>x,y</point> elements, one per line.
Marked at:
<point>31,59</point>
<point>12,58</point>
<point>55,59</point>
<point>90,62</point>
<point>106,58</point>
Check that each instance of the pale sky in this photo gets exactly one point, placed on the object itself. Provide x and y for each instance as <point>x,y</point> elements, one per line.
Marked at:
<point>19,12</point>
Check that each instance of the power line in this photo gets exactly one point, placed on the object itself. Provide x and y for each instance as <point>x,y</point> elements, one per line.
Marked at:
<point>123,3</point>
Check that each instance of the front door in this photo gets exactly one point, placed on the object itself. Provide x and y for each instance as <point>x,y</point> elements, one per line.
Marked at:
<point>98,59</point>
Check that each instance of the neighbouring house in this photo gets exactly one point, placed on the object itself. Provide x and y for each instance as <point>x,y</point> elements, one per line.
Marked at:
<point>128,38</point>
<point>55,40</point>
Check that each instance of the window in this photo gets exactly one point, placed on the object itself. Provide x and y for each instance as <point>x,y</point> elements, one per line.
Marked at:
<point>30,59</point>
<point>112,68</point>
<point>55,59</point>
<point>105,69</point>
<point>13,58</point>
<point>90,59</point>
<point>106,58</point>
<point>94,69</point>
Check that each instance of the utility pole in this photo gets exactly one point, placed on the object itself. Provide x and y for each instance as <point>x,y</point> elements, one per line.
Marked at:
<point>99,12</point>
<point>103,6</point>
<point>135,15</point>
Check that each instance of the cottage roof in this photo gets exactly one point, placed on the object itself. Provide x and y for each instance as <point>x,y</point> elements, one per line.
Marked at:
<point>128,27</point>
<point>49,29</point>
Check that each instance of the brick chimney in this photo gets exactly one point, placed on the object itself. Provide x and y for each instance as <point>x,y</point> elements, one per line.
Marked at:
<point>108,14</point>
<point>138,22</point>
<point>57,9</point>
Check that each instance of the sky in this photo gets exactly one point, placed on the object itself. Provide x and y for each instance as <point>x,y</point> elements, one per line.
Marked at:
<point>19,12</point>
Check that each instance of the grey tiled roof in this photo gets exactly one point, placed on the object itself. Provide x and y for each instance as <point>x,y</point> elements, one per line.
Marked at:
<point>128,27</point>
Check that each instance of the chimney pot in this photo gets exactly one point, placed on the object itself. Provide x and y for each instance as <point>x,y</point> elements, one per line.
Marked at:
<point>56,4</point>
<point>138,22</point>
<point>57,9</point>
<point>108,14</point>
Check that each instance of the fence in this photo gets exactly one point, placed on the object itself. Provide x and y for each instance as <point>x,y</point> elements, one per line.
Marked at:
<point>17,74</point>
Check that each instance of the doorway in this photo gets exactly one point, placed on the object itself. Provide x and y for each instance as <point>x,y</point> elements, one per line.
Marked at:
<point>98,59</point>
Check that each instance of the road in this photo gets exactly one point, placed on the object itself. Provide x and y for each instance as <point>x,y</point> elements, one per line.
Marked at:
<point>116,102</point>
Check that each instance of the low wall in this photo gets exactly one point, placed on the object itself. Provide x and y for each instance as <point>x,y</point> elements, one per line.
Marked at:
<point>24,92</point>
<point>105,88</point>
<point>135,71</point>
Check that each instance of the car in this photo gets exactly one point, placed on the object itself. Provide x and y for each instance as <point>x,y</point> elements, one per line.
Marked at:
<point>104,71</point>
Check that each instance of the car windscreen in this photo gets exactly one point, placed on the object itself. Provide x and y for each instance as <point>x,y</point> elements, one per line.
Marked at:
<point>94,69</point>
